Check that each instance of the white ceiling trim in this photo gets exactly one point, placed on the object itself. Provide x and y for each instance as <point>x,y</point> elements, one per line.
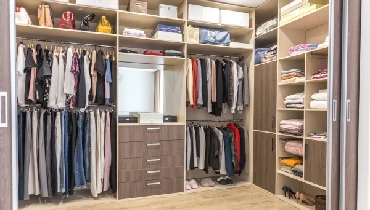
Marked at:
<point>246,3</point>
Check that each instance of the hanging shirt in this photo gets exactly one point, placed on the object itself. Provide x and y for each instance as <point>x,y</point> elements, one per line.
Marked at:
<point>199,86</point>
<point>21,76</point>
<point>31,93</point>
<point>235,87</point>
<point>189,82</point>
<point>93,76</point>
<point>108,81</point>
<point>54,83</point>
<point>61,97</point>
<point>209,85</point>
<point>69,81</point>
<point>195,82</point>
<point>75,69</point>
<point>87,78</point>
<point>235,130</point>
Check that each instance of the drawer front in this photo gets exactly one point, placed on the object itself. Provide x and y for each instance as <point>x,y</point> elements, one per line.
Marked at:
<point>150,133</point>
<point>148,188</point>
<point>151,163</point>
<point>130,150</point>
<point>148,175</point>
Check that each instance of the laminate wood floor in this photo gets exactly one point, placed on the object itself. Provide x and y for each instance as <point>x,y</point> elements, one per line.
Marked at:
<point>243,197</point>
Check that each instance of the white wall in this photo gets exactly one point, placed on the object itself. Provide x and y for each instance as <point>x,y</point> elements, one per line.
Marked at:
<point>363,201</point>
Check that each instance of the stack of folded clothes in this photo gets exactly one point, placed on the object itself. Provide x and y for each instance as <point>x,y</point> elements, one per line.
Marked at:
<point>292,75</point>
<point>259,54</point>
<point>319,135</point>
<point>267,26</point>
<point>298,8</point>
<point>320,74</point>
<point>270,54</point>
<point>153,52</point>
<point>134,32</point>
<point>293,146</point>
<point>302,48</point>
<point>292,127</point>
<point>292,165</point>
<point>295,101</point>
<point>325,44</point>
<point>174,53</point>
<point>319,100</point>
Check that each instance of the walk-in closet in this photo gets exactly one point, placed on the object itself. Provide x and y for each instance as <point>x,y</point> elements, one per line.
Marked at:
<point>122,99</point>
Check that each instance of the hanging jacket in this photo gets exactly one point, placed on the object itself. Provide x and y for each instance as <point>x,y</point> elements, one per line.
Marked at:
<point>228,155</point>
<point>214,160</point>
<point>243,157</point>
<point>235,130</point>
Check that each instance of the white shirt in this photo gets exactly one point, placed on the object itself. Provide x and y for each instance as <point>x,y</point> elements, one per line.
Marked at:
<point>21,76</point>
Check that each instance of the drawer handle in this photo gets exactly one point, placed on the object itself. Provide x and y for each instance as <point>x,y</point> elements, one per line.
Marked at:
<point>153,172</point>
<point>153,145</point>
<point>153,129</point>
<point>154,183</point>
<point>153,160</point>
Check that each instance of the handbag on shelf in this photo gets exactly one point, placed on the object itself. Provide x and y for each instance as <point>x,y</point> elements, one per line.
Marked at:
<point>85,24</point>
<point>67,21</point>
<point>45,16</point>
<point>104,26</point>
<point>21,16</point>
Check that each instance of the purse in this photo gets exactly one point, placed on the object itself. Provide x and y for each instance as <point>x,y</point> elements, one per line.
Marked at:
<point>85,24</point>
<point>21,16</point>
<point>104,26</point>
<point>67,21</point>
<point>45,16</point>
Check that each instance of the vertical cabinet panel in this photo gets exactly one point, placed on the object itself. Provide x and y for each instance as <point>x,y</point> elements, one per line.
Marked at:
<point>264,161</point>
<point>265,97</point>
<point>315,162</point>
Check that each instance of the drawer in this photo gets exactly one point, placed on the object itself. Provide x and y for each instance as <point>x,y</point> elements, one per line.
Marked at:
<point>148,188</point>
<point>151,163</point>
<point>150,150</point>
<point>148,175</point>
<point>150,133</point>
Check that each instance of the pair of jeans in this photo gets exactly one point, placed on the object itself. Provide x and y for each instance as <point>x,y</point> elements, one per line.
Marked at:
<point>66,152</point>
<point>21,129</point>
<point>87,146</point>
<point>54,173</point>
<point>80,180</point>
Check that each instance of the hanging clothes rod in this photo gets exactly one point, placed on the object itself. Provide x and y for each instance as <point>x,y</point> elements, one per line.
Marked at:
<point>223,56</point>
<point>62,42</point>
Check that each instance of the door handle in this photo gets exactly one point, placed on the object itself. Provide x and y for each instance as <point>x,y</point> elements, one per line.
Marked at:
<point>153,145</point>
<point>153,172</point>
<point>4,124</point>
<point>153,160</point>
<point>348,110</point>
<point>153,183</point>
<point>150,129</point>
<point>306,152</point>
<point>334,110</point>
<point>272,144</point>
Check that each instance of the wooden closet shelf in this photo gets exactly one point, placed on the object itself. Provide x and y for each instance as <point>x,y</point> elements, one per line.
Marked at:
<point>234,30</point>
<point>269,37</point>
<point>146,21</point>
<point>317,80</point>
<point>291,136</point>
<point>265,63</point>
<point>316,139</point>
<point>65,35</point>
<point>316,110</point>
<point>299,179</point>
<point>291,83</point>
<point>290,109</point>
<point>217,49</point>
<point>309,21</point>
<point>150,59</point>
<point>298,57</point>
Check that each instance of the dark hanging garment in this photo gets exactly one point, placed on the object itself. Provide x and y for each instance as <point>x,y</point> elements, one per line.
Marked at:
<point>191,167</point>
<point>113,70</point>
<point>30,63</point>
<point>38,86</point>
<point>100,84</point>
<point>242,150</point>
<point>81,93</point>
<point>54,184</point>
<point>44,79</point>
<point>204,82</point>
<point>21,129</point>
<point>217,106</point>
<point>48,151</point>
<point>208,142</point>
<point>214,160</point>
<point>72,154</point>
<point>226,70</point>
<point>197,141</point>
<point>113,166</point>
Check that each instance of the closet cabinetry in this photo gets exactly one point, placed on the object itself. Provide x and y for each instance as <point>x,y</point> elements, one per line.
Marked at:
<point>315,162</point>
<point>264,160</point>
<point>265,97</point>
<point>150,160</point>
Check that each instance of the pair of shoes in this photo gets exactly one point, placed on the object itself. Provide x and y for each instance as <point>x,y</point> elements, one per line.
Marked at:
<point>207,182</point>
<point>192,184</point>
<point>289,191</point>
<point>303,199</point>
<point>225,180</point>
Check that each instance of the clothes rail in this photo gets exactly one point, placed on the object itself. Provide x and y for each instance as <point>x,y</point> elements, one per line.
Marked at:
<point>223,56</point>
<point>62,42</point>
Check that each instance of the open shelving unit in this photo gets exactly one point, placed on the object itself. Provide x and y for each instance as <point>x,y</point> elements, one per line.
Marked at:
<point>311,28</point>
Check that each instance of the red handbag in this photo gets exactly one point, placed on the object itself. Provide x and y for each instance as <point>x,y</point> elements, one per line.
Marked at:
<point>67,21</point>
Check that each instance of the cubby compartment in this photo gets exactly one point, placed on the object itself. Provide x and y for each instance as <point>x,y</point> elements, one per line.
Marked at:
<point>288,64</point>
<point>287,116</point>
<point>152,6</point>
<point>285,91</point>
<point>317,60</point>
<point>312,88</point>
<point>315,122</point>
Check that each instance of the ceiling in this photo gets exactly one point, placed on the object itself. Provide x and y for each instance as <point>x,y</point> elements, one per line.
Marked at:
<point>247,3</point>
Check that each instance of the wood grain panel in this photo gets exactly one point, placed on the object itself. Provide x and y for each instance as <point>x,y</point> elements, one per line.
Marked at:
<point>151,163</point>
<point>150,150</point>
<point>150,133</point>
<point>315,162</point>
<point>258,109</point>
<point>148,175</point>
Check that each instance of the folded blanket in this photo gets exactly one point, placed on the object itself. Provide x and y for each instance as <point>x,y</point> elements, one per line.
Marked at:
<point>292,70</point>
<point>302,48</point>
<point>297,101</point>
<point>296,122</point>
<point>319,104</point>
<point>323,96</point>
<point>295,96</point>
<point>294,147</point>
<point>291,162</point>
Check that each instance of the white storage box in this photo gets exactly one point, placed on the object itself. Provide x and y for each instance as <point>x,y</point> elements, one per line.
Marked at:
<point>146,117</point>
<point>112,4</point>
<point>241,45</point>
<point>169,36</point>
<point>211,15</point>
<point>195,12</point>
<point>228,17</point>
<point>167,11</point>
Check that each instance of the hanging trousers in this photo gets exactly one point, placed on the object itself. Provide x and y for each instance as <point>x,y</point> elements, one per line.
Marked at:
<point>86,147</point>
<point>80,180</point>
<point>21,129</point>
<point>66,152</point>
<point>27,151</point>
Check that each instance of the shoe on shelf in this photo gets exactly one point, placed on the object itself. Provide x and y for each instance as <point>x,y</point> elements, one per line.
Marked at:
<point>187,185</point>
<point>228,180</point>
<point>222,181</point>
<point>204,183</point>
<point>207,182</point>
<point>193,184</point>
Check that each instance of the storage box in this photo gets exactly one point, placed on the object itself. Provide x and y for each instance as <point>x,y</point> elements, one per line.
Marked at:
<point>113,4</point>
<point>137,6</point>
<point>195,12</point>
<point>241,45</point>
<point>299,3</point>
<point>206,14</point>
<point>169,36</point>
<point>127,119</point>
<point>167,11</point>
<point>169,118</point>
<point>146,117</point>
<point>193,35</point>
<point>228,17</point>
